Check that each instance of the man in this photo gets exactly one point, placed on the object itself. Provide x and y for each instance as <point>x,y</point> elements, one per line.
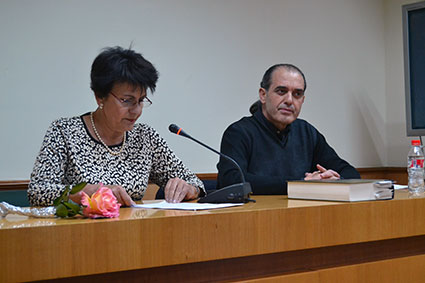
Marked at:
<point>272,146</point>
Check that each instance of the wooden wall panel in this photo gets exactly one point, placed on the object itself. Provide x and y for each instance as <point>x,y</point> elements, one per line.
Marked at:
<point>398,174</point>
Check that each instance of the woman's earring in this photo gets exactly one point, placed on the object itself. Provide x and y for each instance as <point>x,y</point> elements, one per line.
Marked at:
<point>101,106</point>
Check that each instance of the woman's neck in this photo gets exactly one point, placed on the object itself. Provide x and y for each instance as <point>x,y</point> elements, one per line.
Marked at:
<point>107,134</point>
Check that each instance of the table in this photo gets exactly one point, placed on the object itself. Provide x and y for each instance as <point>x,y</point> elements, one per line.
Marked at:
<point>273,239</point>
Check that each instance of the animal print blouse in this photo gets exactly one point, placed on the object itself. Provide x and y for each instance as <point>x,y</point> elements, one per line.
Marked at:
<point>70,155</point>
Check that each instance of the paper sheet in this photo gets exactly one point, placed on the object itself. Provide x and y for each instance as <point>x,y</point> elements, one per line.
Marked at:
<point>186,205</point>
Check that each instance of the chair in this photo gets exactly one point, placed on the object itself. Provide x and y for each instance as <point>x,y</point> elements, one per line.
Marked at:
<point>15,197</point>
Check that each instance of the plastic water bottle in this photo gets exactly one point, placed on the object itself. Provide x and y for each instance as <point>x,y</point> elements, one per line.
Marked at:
<point>415,167</point>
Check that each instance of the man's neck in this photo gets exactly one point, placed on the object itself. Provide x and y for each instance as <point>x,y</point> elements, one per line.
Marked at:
<point>278,126</point>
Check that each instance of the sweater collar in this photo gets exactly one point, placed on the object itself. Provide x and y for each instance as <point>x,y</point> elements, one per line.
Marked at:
<point>280,134</point>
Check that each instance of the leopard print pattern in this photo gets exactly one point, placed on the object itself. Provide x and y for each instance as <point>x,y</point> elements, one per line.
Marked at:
<point>70,155</point>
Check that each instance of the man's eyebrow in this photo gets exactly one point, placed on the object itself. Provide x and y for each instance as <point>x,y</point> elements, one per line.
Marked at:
<point>281,87</point>
<point>285,87</point>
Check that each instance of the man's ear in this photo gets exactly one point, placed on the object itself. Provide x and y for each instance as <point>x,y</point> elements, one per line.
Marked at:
<point>262,94</point>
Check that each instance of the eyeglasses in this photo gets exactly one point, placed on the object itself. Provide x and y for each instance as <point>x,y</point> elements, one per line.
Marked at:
<point>131,102</point>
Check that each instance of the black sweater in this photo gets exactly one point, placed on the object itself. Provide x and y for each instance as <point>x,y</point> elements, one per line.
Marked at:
<point>269,157</point>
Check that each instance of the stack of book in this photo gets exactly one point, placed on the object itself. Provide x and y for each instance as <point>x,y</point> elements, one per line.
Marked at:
<point>341,190</point>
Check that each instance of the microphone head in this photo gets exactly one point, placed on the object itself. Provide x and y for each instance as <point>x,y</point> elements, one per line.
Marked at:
<point>177,130</point>
<point>174,128</point>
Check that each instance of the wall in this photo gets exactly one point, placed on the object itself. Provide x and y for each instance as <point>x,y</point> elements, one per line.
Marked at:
<point>211,56</point>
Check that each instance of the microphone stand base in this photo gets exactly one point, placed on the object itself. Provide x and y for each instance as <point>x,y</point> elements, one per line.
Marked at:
<point>236,193</point>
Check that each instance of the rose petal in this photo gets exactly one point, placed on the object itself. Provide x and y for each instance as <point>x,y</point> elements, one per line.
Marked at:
<point>102,203</point>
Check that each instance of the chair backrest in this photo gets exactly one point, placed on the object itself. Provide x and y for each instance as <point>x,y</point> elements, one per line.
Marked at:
<point>15,197</point>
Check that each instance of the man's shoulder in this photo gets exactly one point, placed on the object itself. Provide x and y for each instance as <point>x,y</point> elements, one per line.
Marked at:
<point>246,120</point>
<point>244,124</point>
<point>303,128</point>
<point>302,124</point>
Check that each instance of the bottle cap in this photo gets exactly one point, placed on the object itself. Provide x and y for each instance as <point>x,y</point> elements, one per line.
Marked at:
<point>416,142</point>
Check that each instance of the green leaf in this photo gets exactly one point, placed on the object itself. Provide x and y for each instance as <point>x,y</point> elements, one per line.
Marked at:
<point>61,211</point>
<point>71,213</point>
<point>63,196</point>
<point>72,208</point>
<point>78,187</point>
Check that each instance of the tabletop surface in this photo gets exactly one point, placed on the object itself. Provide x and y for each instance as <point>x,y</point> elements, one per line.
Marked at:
<point>13,221</point>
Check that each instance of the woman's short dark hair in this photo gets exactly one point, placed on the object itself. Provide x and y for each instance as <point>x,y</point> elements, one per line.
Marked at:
<point>119,65</point>
<point>267,78</point>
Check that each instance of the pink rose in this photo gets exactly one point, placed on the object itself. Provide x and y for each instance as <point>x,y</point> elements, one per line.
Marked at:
<point>102,203</point>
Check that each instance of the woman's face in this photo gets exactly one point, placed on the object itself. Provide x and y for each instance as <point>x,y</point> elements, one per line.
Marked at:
<point>122,107</point>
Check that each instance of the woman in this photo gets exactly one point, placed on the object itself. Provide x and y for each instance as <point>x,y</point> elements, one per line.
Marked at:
<point>107,146</point>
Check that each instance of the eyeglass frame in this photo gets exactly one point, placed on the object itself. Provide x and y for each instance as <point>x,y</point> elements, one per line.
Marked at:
<point>145,100</point>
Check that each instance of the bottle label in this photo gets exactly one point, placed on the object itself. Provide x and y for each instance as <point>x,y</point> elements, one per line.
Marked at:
<point>416,163</point>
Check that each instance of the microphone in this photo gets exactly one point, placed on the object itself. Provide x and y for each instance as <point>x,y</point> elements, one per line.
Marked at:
<point>235,193</point>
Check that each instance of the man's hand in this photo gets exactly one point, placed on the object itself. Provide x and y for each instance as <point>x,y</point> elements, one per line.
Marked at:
<point>177,190</point>
<point>322,173</point>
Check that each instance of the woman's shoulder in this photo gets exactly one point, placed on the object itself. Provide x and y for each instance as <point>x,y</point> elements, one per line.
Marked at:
<point>145,130</point>
<point>67,122</point>
<point>65,128</point>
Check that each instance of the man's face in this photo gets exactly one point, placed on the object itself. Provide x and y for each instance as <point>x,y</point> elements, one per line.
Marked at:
<point>282,102</point>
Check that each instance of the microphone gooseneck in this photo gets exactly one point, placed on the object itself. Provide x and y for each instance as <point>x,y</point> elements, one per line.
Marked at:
<point>179,131</point>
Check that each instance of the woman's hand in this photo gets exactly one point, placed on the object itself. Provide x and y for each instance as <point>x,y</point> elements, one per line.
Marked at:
<point>177,190</point>
<point>118,191</point>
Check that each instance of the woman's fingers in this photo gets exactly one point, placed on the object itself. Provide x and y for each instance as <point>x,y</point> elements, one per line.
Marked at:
<point>177,190</point>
